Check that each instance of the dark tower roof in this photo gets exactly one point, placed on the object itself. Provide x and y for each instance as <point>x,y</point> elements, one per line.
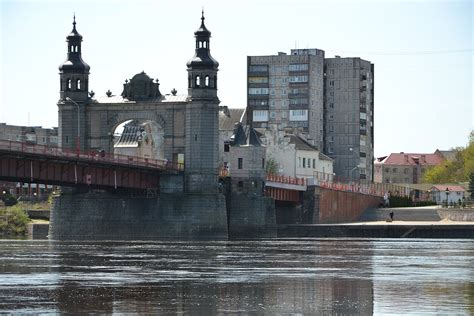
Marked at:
<point>202,57</point>
<point>245,136</point>
<point>74,33</point>
<point>74,62</point>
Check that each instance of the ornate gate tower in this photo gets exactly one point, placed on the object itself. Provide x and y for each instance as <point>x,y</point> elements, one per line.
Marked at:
<point>202,117</point>
<point>74,85</point>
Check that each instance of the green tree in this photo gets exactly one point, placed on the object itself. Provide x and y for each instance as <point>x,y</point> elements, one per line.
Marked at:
<point>471,185</point>
<point>272,166</point>
<point>457,170</point>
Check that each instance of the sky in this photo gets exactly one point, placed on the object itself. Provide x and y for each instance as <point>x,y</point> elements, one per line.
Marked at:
<point>422,51</point>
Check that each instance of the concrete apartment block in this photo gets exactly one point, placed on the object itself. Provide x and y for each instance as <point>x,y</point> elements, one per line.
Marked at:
<point>349,116</point>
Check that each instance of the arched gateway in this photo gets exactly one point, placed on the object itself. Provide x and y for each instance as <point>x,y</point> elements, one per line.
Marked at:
<point>188,123</point>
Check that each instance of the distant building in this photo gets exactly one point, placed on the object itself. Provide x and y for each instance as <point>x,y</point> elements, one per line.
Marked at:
<point>405,167</point>
<point>453,194</point>
<point>328,100</point>
<point>29,134</point>
<point>295,157</point>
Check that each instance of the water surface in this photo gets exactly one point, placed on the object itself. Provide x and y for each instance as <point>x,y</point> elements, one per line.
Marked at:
<point>311,276</point>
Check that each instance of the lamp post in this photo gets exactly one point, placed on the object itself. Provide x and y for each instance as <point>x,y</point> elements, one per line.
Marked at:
<point>352,172</point>
<point>447,197</point>
<point>78,139</point>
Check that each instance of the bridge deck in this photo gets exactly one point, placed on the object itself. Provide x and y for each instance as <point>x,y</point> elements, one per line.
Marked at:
<point>21,162</point>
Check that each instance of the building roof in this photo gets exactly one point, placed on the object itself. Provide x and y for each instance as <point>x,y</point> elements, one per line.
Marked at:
<point>301,144</point>
<point>452,188</point>
<point>130,135</point>
<point>410,159</point>
<point>447,154</point>
<point>227,123</point>
<point>324,157</point>
<point>245,136</point>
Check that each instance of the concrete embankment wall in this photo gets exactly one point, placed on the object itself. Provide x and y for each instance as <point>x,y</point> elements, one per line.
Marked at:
<point>340,206</point>
<point>377,231</point>
<point>459,215</point>
<point>321,205</point>
<point>108,216</point>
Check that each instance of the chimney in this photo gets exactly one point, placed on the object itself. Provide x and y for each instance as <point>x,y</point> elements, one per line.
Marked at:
<point>423,158</point>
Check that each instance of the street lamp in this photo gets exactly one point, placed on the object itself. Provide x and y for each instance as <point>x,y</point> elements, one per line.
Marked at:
<point>78,139</point>
<point>447,196</point>
<point>352,171</point>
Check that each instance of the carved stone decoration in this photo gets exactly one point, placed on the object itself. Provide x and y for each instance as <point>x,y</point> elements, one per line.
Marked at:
<point>141,87</point>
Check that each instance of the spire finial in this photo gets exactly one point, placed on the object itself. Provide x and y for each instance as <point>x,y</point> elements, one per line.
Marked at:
<point>202,16</point>
<point>74,21</point>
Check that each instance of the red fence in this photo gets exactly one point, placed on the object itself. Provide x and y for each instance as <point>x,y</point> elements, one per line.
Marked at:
<point>285,179</point>
<point>51,151</point>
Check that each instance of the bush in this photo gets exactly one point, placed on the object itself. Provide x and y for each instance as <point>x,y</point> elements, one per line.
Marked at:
<point>400,201</point>
<point>424,203</point>
<point>8,199</point>
<point>13,221</point>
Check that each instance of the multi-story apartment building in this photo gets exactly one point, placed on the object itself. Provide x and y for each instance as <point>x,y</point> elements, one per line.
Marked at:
<point>287,91</point>
<point>329,100</point>
<point>349,116</point>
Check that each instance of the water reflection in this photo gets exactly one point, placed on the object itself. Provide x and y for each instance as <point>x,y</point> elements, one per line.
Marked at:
<point>261,277</point>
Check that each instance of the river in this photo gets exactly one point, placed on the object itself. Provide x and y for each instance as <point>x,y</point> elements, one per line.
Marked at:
<point>304,276</point>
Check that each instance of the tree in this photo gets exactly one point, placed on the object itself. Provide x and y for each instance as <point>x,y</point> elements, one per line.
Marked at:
<point>272,166</point>
<point>457,170</point>
<point>471,185</point>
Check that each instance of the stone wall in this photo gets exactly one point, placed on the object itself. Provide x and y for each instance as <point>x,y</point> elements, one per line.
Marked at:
<point>94,216</point>
<point>458,215</point>
<point>251,216</point>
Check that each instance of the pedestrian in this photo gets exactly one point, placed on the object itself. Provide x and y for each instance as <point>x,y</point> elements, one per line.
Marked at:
<point>391,215</point>
<point>386,200</point>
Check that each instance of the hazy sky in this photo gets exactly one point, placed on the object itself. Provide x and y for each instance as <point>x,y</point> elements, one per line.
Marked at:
<point>422,50</point>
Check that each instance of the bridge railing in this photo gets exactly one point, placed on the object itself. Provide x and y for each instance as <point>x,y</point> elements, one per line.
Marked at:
<point>55,151</point>
<point>286,179</point>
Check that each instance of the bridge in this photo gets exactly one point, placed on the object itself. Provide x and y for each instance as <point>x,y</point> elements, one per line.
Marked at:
<point>31,163</point>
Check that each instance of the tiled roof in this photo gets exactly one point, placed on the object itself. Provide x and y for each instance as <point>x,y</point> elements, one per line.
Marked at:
<point>301,144</point>
<point>129,137</point>
<point>454,188</point>
<point>411,159</point>
<point>227,123</point>
<point>324,157</point>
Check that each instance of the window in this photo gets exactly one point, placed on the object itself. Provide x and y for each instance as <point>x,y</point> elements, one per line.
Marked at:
<point>394,170</point>
<point>405,171</point>
<point>206,81</point>
<point>258,68</point>
<point>260,116</point>
<point>272,114</point>
<point>284,114</point>
<point>258,79</point>
<point>331,105</point>
<point>263,163</point>
<point>304,162</point>
<point>241,184</point>
<point>226,147</point>
<point>198,81</point>
<point>240,163</point>
<point>314,163</point>
<point>78,84</point>
<point>258,91</point>
<point>298,115</point>
<point>69,84</point>
<point>298,67</point>
<point>67,139</point>
<point>294,79</point>
<point>331,83</point>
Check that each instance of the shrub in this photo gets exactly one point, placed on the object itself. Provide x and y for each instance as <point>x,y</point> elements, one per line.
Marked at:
<point>14,221</point>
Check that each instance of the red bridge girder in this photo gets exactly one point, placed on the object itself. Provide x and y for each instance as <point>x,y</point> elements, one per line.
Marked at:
<point>30,169</point>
